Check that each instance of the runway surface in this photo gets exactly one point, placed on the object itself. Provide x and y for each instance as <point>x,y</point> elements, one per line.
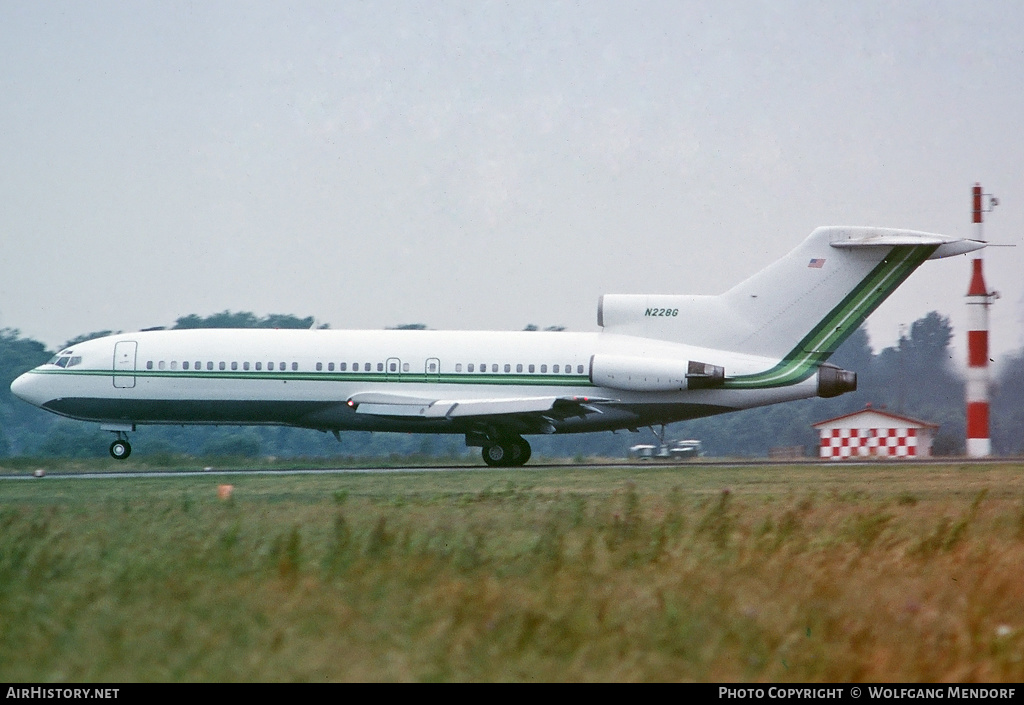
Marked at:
<point>555,467</point>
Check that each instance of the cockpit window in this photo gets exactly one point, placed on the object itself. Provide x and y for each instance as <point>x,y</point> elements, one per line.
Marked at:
<point>64,359</point>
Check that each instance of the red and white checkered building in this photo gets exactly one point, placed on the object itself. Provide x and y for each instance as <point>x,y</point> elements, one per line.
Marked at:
<point>875,433</point>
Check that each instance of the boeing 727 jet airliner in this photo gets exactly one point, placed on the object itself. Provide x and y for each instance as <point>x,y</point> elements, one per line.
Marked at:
<point>657,359</point>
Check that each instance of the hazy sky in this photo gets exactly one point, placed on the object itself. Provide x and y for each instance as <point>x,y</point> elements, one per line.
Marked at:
<point>488,164</point>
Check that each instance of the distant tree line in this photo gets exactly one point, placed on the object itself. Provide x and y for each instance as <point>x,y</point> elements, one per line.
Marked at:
<point>915,377</point>
<point>244,319</point>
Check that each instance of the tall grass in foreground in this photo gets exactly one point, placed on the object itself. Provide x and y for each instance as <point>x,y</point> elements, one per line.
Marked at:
<point>512,582</point>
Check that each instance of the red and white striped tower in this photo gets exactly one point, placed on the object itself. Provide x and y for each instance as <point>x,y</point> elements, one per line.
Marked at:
<point>979,444</point>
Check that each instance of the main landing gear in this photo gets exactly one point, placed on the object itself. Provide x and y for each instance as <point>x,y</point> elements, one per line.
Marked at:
<point>507,453</point>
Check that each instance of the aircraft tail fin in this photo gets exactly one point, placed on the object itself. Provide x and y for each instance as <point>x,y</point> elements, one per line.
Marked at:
<point>802,305</point>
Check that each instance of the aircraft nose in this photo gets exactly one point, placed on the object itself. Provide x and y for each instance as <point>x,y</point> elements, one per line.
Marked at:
<point>27,388</point>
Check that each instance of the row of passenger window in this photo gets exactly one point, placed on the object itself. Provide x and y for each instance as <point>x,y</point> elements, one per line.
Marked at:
<point>471,367</point>
<point>366,367</point>
<point>531,369</point>
<point>270,366</point>
<point>198,365</point>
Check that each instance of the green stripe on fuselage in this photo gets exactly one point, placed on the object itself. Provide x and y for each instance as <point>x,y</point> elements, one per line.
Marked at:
<point>574,380</point>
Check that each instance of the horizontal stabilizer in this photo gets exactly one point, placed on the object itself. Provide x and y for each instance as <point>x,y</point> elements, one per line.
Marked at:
<point>845,238</point>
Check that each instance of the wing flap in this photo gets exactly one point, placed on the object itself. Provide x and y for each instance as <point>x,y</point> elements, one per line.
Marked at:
<point>398,405</point>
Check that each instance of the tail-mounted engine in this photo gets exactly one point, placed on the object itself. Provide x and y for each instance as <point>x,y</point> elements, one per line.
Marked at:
<point>833,381</point>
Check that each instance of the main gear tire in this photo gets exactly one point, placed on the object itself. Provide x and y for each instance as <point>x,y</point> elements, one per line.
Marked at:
<point>496,455</point>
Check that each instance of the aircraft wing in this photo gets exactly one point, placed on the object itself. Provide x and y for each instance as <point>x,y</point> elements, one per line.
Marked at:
<point>380,404</point>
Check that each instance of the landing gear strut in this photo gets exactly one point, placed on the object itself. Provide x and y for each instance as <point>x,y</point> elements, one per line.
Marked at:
<point>507,453</point>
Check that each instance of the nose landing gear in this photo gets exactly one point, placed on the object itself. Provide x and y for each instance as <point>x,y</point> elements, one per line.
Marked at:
<point>120,448</point>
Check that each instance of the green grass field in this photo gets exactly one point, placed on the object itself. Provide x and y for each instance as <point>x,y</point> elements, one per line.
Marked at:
<point>717,573</point>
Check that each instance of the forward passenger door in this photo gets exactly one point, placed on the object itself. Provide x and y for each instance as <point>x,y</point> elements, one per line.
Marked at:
<point>124,361</point>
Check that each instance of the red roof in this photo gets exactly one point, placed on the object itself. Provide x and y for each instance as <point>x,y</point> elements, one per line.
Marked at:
<point>869,408</point>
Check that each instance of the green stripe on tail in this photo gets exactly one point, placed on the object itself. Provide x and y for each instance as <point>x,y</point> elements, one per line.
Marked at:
<point>840,323</point>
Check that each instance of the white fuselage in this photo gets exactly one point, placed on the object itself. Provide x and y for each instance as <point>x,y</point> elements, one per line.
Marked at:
<point>308,378</point>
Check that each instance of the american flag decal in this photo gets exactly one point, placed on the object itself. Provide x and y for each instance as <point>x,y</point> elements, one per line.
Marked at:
<point>816,263</point>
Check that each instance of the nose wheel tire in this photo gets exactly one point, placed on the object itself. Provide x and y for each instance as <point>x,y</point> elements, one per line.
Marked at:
<point>119,450</point>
